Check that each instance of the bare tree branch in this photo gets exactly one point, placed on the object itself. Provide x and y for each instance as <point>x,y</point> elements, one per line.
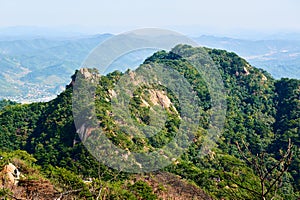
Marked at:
<point>260,166</point>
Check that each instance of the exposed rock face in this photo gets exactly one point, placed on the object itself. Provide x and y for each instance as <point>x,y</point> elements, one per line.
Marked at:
<point>159,98</point>
<point>84,132</point>
<point>89,74</point>
<point>10,176</point>
<point>112,93</point>
<point>246,72</point>
<point>264,78</point>
<point>24,188</point>
<point>86,74</point>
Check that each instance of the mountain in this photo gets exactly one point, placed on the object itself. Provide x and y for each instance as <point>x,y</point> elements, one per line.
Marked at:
<point>40,67</point>
<point>32,32</point>
<point>262,113</point>
<point>279,56</point>
<point>36,62</point>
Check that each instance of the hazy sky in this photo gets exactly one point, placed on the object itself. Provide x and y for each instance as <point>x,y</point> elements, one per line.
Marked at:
<point>189,15</point>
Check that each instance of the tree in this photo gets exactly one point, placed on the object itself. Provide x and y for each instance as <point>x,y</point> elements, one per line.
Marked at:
<point>270,171</point>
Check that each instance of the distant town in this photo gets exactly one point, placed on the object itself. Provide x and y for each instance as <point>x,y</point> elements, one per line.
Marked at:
<point>35,93</point>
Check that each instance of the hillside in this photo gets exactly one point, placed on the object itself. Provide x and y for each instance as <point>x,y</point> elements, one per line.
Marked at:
<point>36,68</point>
<point>279,56</point>
<point>262,112</point>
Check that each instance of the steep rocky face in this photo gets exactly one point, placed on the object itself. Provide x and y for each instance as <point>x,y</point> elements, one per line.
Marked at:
<point>160,98</point>
<point>9,176</point>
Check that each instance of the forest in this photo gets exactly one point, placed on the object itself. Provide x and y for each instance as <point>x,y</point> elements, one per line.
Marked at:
<point>255,157</point>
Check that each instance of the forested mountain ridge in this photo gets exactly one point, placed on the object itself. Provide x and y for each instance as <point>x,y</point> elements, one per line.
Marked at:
<point>262,113</point>
<point>279,56</point>
<point>43,64</point>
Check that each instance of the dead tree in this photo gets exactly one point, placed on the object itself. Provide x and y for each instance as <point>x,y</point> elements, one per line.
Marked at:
<point>269,174</point>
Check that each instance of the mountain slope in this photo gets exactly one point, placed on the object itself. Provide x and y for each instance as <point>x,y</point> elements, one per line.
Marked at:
<point>30,66</point>
<point>280,57</point>
<point>254,115</point>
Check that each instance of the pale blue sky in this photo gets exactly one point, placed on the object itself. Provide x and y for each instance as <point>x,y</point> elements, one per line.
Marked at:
<point>190,16</point>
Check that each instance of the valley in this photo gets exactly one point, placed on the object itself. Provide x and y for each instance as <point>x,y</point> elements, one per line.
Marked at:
<point>41,66</point>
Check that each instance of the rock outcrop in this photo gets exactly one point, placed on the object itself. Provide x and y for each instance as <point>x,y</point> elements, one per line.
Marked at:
<point>10,176</point>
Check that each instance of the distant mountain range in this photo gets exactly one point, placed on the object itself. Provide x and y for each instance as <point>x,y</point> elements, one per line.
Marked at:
<point>35,65</point>
<point>37,69</point>
<point>279,57</point>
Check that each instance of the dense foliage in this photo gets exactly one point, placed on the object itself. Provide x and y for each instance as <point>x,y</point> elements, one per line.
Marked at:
<point>261,112</point>
<point>5,102</point>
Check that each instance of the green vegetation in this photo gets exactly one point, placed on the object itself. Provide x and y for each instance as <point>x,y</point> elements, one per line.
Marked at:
<point>34,68</point>
<point>5,102</point>
<point>262,113</point>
